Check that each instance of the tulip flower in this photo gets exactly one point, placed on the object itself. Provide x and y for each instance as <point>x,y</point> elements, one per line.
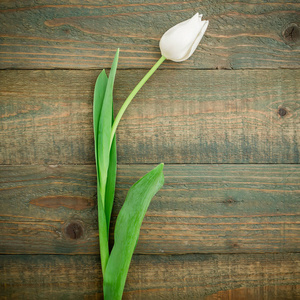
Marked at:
<point>177,44</point>
<point>180,41</point>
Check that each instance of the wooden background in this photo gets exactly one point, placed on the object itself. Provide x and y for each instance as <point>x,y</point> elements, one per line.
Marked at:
<point>225,123</point>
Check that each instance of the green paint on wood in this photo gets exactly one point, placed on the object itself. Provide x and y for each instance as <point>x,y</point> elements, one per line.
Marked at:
<point>242,276</point>
<point>183,115</point>
<point>186,116</point>
<point>241,34</point>
<point>200,209</point>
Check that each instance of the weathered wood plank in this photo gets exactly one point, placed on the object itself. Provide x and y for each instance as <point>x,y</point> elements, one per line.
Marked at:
<point>183,116</point>
<point>235,277</point>
<point>200,209</point>
<point>68,34</point>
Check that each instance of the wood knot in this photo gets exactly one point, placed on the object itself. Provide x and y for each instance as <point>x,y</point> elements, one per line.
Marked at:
<point>282,111</point>
<point>74,230</point>
<point>291,34</point>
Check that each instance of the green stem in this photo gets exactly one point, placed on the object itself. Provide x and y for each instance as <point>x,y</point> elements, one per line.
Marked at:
<point>131,96</point>
<point>103,236</point>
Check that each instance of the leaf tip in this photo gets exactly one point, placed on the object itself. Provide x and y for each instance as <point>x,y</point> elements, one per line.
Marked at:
<point>117,53</point>
<point>102,73</point>
<point>160,166</point>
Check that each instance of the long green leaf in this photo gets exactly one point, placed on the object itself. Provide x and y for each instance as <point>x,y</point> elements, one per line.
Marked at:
<point>104,129</point>
<point>99,94</point>
<point>111,182</point>
<point>106,160</point>
<point>127,231</point>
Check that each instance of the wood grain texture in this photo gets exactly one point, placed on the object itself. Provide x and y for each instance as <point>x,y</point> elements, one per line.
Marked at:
<point>200,209</point>
<point>226,123</point>
<point>234,277</point>
<point>183,116</point>
<point>80,34</point>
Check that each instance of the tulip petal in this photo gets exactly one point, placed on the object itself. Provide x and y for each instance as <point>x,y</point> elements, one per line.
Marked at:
<point>197,40</point>
<point>180,41</point>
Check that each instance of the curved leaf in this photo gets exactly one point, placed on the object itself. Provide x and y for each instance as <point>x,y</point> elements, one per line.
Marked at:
<point>127,231</point>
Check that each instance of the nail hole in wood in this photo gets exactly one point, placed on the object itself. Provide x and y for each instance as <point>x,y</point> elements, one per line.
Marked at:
<point>235,245</point>
<point>282,111</point>
<point>229,201</point>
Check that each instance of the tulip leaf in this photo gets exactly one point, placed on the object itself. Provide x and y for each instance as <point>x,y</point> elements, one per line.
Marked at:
<point>127,231</point>
<point>99,93</point>
<point>106,158</point>
<point>111,182</point>
<point>104,128</point>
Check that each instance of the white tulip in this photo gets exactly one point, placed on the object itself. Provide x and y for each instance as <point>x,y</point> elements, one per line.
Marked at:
<point>180,41</point>
<point>177,44</point>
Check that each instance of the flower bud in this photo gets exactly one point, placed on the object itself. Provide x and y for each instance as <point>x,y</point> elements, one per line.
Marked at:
<point>180,41</point>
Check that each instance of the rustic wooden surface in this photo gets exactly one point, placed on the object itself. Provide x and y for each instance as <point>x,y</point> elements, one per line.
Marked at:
<point>226,124</point>
<point>192,276</point>
<point>248,116</point>
<point>85,34</point>
<point>200,209</point>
